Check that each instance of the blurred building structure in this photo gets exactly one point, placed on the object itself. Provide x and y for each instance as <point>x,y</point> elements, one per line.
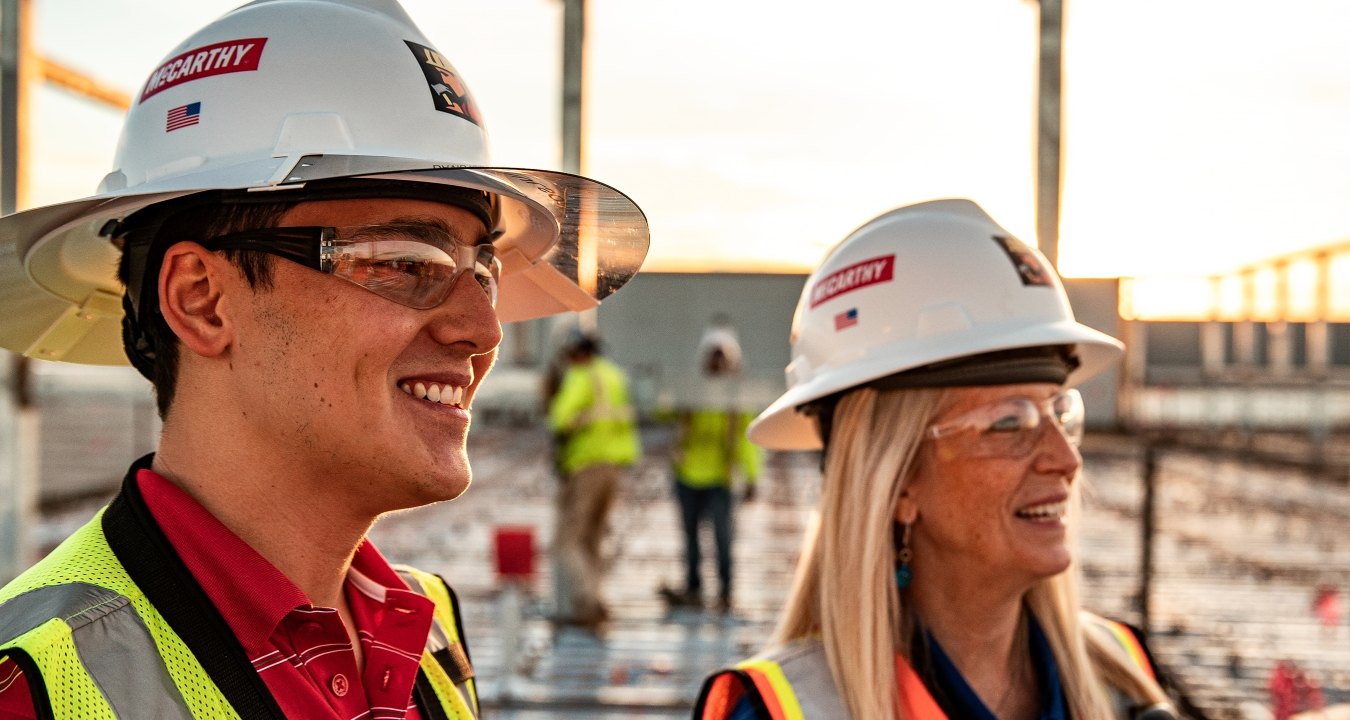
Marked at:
<point>1262,351</point>
<point>22,70</point>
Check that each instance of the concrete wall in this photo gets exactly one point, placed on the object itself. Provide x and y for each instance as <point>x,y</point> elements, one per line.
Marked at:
<point>1096,304</point>
<point>1174,353</point>
<point>92,422</point>
<point>654,324</point>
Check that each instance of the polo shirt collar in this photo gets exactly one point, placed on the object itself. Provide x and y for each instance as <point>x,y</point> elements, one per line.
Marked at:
<point>252,595</point>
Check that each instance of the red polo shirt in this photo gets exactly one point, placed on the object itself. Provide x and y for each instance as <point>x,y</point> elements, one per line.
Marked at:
<point>302,652</point>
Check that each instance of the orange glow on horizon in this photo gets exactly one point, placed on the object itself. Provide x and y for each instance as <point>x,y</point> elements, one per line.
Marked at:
<point>1301,287</point>
<point>743,266</point>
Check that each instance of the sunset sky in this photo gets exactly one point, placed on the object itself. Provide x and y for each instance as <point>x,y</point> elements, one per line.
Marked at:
<point>1199,136</point>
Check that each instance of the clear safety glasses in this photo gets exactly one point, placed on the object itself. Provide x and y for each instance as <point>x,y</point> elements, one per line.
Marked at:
<point>1011,428</point>
<point>412,264</point>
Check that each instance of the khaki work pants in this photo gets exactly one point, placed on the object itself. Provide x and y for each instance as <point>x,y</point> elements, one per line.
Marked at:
<point>584,502</point>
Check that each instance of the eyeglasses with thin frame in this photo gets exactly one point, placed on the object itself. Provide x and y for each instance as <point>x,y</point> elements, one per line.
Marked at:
<point>1012,427</point>
<point>411,263</point>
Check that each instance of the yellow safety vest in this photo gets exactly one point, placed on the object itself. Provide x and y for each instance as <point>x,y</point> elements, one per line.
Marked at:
<point>710,444</point>
<point>594,416</point>
<point>108,626</point>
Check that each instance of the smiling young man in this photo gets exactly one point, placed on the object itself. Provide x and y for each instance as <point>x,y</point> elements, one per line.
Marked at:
<point>313,279</point>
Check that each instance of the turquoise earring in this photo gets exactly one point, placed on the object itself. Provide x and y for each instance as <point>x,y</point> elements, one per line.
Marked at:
<point>903,575</point>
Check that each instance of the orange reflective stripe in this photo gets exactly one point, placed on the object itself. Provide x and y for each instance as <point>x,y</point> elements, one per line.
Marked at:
<point>721,696</point>
<point>1131,645</point>
<point>774,688</point>
<point>915,699</point>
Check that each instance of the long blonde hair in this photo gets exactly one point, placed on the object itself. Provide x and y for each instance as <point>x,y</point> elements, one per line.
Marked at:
<point>845,592</point>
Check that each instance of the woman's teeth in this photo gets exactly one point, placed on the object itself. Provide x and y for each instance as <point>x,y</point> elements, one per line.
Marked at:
<point>443,394</point>
<point>1042,512</point>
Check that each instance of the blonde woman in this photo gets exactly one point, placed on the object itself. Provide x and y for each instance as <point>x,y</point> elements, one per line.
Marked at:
<point>934,357</point>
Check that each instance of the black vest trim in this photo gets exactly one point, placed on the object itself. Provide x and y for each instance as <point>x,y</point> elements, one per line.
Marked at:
<point>455,662</point>
<point>461,649</point>
<point>424,694</point>
<point>141,547</point>
<point>37,688</point>
<point>459,621</point>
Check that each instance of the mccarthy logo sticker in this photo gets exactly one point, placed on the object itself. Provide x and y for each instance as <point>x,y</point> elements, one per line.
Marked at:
<point>231,56</point>
<point>867,272</point>
<point>448,90</point>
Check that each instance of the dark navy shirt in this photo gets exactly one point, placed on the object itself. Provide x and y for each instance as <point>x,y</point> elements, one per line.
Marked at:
<point>743,711</point>
<point>958,700</point>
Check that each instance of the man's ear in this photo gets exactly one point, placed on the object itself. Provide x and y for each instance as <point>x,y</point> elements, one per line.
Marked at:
<point>192,281</point>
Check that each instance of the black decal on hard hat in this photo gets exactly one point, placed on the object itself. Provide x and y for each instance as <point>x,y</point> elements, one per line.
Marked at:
<point>1025,260</point>
<point>448,90</point>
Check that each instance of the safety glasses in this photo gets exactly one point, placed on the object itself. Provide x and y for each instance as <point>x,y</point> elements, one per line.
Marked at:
<point>411,263</point>
<point>1011,428</point>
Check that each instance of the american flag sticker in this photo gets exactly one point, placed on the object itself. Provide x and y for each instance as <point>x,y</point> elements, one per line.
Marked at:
<point>183,116</point>
<point>846,319</point>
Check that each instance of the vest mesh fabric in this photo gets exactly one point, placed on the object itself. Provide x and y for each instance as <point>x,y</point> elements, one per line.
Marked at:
<point>86,557</point>
<point>72,691</point>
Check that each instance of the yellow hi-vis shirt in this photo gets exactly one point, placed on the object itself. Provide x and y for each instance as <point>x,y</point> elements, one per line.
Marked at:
<point>594,415</point>
<point>711,444</point>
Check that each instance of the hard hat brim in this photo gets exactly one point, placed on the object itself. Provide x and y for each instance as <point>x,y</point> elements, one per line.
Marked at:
<point>567,242</point>
<point>783,427</point>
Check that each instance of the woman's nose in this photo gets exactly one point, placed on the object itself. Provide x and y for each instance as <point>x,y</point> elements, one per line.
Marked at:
<point>1056,451</point>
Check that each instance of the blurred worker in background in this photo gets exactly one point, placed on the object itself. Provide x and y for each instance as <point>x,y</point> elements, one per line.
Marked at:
<point>312,276</point>
<point>934,359</point>
<point>710,445</point>
<point>592,418</point>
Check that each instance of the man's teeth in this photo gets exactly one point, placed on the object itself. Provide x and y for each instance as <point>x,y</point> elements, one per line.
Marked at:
<point>443,394</point>
<point>1048,510</point>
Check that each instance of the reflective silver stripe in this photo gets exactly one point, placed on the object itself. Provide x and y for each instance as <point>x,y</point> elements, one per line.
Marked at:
<point>1121,702</point>
<point>113,644</point>
<point>808,675</point>
<point>438,639</point>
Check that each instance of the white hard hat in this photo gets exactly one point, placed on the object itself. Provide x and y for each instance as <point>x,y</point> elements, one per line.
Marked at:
<point>279,93</point>
<point>919,285</point>
<point>721,338</point>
